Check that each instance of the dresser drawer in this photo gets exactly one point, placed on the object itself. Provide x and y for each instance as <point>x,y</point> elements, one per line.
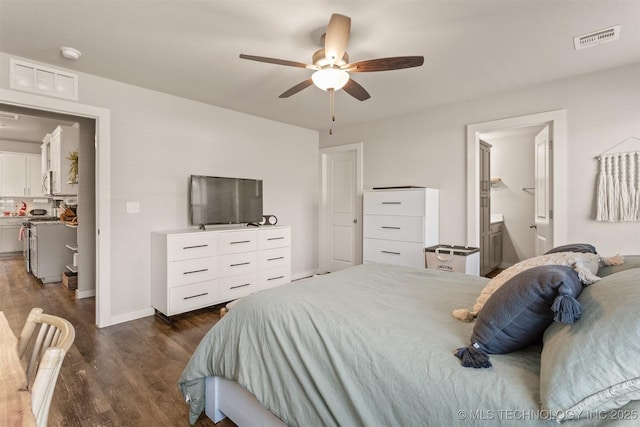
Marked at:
<point>405,228</point>
<point>394,252</point>
<point>242,263</point>
<point>234,287</point>
<point>272,258</point>
<point>190,297</point>
<point>232,242</point>
<point>191,271</point>
<point>191,245</point>
<point>407,202</point>
<point>274,238</point>
<point>274,277</point>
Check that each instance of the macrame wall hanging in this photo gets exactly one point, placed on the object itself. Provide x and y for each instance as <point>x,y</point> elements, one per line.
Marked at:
<point>619,183</point>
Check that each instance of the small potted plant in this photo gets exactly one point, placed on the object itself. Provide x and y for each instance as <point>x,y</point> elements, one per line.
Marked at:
<point>73,167</point>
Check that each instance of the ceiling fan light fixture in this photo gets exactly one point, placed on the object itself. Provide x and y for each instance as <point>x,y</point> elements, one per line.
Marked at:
<point>330,79</point>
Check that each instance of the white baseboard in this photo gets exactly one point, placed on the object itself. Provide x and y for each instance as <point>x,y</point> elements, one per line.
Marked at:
<point>133,315</point>
<point>85,294</point>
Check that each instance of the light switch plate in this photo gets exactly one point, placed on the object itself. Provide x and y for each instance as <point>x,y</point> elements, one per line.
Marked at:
<point>133,207</point>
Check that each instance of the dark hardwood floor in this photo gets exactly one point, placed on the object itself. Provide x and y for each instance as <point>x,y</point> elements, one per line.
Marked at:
<point>122,375</point>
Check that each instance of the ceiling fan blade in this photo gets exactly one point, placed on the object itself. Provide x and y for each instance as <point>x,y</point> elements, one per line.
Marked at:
<point>354,89</point>
<point>297,88</point>
<point>278,61</point>
<point>385,64</point>
<point>337,37</point>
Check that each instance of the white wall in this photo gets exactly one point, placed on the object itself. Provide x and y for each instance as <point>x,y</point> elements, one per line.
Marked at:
<point>512,161</point>
<point>158,140</point>
<point>428,148</point>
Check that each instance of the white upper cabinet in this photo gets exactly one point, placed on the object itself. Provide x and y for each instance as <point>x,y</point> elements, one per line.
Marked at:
<point>20,175</point>
<point>55,151</point>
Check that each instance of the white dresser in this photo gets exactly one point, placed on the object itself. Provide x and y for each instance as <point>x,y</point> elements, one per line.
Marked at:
<point>191,269</point>
<point>399,224</point>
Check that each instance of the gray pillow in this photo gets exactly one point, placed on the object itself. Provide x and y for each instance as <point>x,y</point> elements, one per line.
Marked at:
<point>630,261</point>
<point>518,312</point>
<point>574,247</point>
<point>594,365</point>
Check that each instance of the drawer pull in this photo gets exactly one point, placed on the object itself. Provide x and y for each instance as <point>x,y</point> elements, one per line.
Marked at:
<point>240,286</point>
<point>391,203</point>
<point>239,264</point>
<point>194,247</point>
<point>196,271</point>
<point>276,278</point>
<point>239,241</point>
<point>274,259</point>
<point>196,296</point>
<point>276,238</point>
<point>389,252</point>
<point>390,228</point>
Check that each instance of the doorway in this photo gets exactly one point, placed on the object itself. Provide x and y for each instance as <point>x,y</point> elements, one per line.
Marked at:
<point>102,229</point>
<point>340,229</point>
<point>557,124</point>
<point>513,191</point>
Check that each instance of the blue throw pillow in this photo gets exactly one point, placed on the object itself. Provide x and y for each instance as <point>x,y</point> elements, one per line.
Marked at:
<point>584,248</point>
<point>517,314</point>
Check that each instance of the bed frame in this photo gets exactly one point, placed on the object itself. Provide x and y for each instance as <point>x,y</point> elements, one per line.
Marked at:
<point>225,398</point>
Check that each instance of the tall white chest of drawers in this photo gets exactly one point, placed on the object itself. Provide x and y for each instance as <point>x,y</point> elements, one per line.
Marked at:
<point>192,269</point>
<point>399,224</point>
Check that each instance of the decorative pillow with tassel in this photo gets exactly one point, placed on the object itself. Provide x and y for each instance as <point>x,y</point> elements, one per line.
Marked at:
<point>586,264</point>
<point>518,313</point>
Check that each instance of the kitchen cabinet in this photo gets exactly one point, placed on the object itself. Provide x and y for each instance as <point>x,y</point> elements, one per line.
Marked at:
<point>9,231</point>
<point>20,175</point>
<point>49,257</point>
<point>495,246</point>
<point>55,150</point>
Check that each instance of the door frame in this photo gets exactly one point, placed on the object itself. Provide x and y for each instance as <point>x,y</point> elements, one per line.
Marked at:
<point>557,119</point>
<point>102,117</point>
<point>322,215</point>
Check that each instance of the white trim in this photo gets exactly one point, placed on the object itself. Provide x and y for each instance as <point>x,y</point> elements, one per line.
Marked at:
<point>85,294</point>
<point>322,238</point>
<point>558,119</point>
<point>102,116</point>
<point>132,315</point>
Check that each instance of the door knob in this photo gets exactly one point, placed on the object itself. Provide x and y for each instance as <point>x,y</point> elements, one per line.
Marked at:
<point>533,226</point>
<point>355,221</point>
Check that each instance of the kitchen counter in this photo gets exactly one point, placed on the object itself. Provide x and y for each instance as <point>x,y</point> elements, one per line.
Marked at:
<point>28,217</point>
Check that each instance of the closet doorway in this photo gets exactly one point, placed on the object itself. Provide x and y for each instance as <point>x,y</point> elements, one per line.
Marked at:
<point>536,220</point>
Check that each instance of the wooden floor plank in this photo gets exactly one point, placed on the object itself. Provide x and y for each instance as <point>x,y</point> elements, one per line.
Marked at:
<point>122,375</point>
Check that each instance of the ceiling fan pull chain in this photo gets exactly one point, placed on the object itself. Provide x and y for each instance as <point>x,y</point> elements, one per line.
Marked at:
<point>331,108</point>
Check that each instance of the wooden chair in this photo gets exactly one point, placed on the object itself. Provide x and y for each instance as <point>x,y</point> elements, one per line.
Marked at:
<point>54,339</point>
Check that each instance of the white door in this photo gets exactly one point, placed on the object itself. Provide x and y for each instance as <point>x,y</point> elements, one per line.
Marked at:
<point>543,225</point>
<point>342,189</point>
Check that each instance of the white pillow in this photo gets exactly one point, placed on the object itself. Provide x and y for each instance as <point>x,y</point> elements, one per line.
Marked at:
<point>585,264</point>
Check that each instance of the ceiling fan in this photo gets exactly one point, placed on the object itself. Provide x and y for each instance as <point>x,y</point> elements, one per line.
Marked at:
<point>332,66</point>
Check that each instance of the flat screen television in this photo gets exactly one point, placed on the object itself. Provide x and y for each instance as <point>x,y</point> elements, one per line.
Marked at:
<point>219,200</point>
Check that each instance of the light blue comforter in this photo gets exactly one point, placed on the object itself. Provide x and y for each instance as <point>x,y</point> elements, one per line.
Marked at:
<point>368,346</point>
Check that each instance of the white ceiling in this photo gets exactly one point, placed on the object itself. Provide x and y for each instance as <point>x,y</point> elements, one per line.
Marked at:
<point>190,48</point>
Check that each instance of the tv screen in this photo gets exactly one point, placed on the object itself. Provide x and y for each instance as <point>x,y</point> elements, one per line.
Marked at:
<point>219,200</point>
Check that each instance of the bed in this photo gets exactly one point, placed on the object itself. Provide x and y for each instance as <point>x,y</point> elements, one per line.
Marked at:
<point>373,345</point>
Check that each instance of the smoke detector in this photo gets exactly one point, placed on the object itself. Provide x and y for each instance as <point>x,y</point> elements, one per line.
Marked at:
<point>70,53</point>
<point>597,37</point>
